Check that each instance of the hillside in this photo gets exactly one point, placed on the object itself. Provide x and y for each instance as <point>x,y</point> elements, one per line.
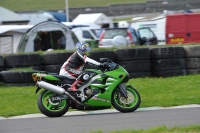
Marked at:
<point>32,5</point>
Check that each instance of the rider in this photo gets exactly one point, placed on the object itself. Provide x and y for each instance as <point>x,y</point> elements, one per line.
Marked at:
<point>73,67</point>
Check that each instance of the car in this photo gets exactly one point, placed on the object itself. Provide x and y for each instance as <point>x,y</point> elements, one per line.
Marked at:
<point>108,34</point>
<point>142,36</point>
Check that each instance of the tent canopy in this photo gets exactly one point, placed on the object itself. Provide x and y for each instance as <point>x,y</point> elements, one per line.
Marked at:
<point>10,17</point>
<point>46,35</point>
<point>59,16</point>
<point>10,36</point>
<point>19,28</point>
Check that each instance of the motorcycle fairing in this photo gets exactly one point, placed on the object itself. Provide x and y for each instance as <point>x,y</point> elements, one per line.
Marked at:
<point>111,82</point>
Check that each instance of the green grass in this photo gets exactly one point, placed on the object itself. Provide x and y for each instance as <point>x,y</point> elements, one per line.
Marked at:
<point>28,5</point>
<point>168,91</point>
<point>25,69</point>
<point>163,92</point>
<point>161,129</point>
<point>18,100</point>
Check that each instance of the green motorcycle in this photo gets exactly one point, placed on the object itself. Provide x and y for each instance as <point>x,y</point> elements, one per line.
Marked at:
<point>105,88</point>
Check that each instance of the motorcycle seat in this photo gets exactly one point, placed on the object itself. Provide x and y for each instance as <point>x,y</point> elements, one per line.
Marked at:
<point>60,77</point>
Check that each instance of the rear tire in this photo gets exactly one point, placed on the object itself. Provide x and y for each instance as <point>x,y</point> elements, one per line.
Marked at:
<point>52,108</point>
<point>126,105</point>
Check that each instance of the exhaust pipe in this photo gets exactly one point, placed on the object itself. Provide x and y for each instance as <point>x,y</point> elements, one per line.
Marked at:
<point>56,89</point>
<point>50,87</point>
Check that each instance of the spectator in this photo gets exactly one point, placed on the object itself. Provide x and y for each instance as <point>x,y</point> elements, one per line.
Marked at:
<point>62,42</point>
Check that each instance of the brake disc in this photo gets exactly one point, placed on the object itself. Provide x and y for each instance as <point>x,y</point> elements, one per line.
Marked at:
<point>128,100</point>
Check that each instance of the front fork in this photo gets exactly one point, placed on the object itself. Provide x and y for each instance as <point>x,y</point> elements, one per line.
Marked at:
<point>122,90</point>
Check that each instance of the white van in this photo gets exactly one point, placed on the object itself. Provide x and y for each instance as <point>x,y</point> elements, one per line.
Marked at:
<point>156,24</point>
<point>86,33</point>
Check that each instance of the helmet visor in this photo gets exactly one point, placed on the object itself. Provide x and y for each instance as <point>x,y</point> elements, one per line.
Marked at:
<point>87,51</point>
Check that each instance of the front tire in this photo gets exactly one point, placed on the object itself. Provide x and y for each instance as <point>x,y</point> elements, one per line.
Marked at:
<point>129,104</point>
<point>52,108</point>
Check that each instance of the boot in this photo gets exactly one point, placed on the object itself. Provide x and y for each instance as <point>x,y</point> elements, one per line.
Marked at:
<point>73,87</point>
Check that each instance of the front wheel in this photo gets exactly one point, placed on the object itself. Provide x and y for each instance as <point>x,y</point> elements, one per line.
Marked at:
<point>129,104</point>
<point>50,107</point>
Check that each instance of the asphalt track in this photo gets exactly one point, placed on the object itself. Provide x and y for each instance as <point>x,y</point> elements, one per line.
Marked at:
<point>105,120</point>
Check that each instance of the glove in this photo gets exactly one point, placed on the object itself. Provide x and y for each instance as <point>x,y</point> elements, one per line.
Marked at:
<point>104,65</point>
<point>101,65</point>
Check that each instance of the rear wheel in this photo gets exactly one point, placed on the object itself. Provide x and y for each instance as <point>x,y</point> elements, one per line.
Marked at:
<point>129,104</point>
<point>50,107</point>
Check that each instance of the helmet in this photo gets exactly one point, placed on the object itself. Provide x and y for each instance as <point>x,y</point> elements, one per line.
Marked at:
<point>84,47</point>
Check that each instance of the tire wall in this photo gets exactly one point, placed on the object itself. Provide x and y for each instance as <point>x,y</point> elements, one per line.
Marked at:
<point>19,61</point>
<point>17,78</point>
<point>168,61</point>
<point>192,59</point>
<point>140,62</point>
<point>136,61</point>
<point>2,67</point>
<point>52,61</point>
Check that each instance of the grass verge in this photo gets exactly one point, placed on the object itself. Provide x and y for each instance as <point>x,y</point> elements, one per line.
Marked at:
<point>173,91</point>
<point>161,129</point>
<point>18,5</point>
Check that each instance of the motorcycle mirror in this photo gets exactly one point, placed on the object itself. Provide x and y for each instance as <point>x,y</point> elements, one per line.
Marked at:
<point>105,60</point>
